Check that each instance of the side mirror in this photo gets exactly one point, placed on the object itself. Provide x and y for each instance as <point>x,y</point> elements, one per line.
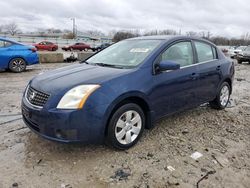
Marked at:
<point>168,65</point>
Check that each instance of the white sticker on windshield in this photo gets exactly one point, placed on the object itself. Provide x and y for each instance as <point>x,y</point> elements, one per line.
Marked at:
<point>139,50</point>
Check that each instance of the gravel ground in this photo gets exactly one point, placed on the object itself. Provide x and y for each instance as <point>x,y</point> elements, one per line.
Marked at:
<point>160,159</point>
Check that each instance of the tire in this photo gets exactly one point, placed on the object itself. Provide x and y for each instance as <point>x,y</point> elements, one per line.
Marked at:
<point>122,133</point>
<point>222,97</point>
<point>239,62</point>
<point>17,65</point>
<point>53,49</point>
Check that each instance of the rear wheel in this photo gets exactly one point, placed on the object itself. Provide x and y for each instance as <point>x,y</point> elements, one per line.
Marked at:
<point>126,126</point>
<point>222,98</point>
<point>17,65</point>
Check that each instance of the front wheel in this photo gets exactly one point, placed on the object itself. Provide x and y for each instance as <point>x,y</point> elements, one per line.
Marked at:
<point>126,126</point>
<point>17,65</point>
<point>222,98</point>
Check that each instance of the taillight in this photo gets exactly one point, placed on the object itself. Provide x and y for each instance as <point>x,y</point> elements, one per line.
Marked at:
<point>33,49</point>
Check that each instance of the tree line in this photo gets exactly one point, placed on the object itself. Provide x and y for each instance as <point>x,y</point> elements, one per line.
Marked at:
<point>244,40</point>
<point>13,29</point>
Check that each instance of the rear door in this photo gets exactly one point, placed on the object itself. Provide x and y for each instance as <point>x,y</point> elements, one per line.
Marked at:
<point>175,90</point>
<point>49,45</point>
<point>82,46</point>
<point>76,46</point>
<point>209,70</point>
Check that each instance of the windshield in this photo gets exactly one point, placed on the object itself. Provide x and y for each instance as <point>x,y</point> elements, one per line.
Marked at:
<point>241,48</point>
<point>125,54</point>
<point>247,48</point>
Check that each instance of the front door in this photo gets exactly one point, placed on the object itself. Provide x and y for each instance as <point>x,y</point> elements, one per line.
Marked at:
<point>176,90</point>
<point>5,53</point>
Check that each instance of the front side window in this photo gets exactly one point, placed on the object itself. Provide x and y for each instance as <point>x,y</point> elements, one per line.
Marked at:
<point>204,52</point>
<point>125,54</point>
<point>180,53</point>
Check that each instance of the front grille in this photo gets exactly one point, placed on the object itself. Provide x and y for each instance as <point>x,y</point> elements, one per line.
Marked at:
<point>36,97</point>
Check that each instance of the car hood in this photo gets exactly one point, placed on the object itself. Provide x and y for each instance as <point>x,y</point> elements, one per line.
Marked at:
<point>63,79</point>
<point>246,53</point>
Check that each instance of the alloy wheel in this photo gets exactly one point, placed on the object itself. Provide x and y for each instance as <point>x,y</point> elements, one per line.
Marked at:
<point>224,95</point>
<point>18,65</point>
<point>128,127</point>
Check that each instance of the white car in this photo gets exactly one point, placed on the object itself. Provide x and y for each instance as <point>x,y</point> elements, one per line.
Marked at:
<point>234,50</point>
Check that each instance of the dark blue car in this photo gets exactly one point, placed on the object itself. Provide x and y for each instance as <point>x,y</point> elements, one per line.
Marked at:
<point>16,56</point>
<point>117,93</point>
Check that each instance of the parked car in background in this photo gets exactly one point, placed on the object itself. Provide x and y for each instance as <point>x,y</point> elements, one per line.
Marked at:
<point>117,93</point>
<point>244,56</point>
<point>100,47</point>
<point>45,45</point>
<point>16,56</point>
<point>77,46</point>
<point>234,50</point>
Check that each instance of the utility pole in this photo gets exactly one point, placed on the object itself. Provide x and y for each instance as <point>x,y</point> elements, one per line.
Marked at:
<point>76,31</point>
<point>74,26</point>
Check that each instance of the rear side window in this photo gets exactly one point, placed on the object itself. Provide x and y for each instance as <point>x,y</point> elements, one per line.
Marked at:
<point>1,44</point>
<point>4,44</point>
<point>180,53</point>
<point>205,52</point>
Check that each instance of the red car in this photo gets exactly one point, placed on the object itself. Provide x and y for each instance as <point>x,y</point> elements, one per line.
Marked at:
<point>45,45</point>
<point>77,46</point>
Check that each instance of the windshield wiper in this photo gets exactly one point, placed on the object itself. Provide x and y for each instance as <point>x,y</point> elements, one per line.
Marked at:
<point>109,65</point>
<point>84,62</point>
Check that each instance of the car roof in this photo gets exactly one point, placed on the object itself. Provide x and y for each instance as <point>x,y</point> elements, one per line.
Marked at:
<point>6,39</point>
<point>169,37</point>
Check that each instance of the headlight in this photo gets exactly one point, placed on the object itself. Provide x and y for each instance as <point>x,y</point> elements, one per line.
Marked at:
<point>76,97</point>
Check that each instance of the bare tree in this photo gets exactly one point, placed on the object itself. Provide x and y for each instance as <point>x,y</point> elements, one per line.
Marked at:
<point>68,36</point>
<point>192,34</point>
<point>121,35</point>
<point>245,36</point>
<point>12,28</point>
<point>96,33</point>
<point>161,32</point>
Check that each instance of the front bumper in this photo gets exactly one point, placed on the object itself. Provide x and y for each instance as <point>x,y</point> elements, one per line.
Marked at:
<point>87,126</point>
<point>32,59</point>
<point>243,58</point>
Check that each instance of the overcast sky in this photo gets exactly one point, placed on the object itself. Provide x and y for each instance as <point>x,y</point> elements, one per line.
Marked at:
<point>221,17</point>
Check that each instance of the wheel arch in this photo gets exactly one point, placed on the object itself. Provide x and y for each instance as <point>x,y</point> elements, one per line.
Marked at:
<point>229,81</point>
<point>15,57</point>
<point>138,99</point>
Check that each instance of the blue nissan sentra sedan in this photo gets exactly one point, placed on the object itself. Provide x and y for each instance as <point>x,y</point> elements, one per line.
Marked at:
<point>117,93</point>
<point>16,56</point>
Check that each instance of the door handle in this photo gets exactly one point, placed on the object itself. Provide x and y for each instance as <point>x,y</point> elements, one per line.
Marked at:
<point>218,68</point>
